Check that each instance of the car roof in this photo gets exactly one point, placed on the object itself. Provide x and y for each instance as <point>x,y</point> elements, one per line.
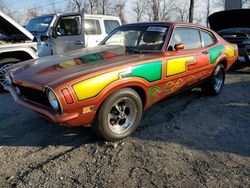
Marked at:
<point>164,23</point>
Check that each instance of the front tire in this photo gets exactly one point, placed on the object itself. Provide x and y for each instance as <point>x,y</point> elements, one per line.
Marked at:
<point>213,86</point>
<point>4,64</point>
<point>119,115</point>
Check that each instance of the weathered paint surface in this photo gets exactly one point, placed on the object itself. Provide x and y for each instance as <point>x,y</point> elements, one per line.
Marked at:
<point>93,86</point>
<point>178,65</point>
<point>215,52</point>
<point>149,71</point>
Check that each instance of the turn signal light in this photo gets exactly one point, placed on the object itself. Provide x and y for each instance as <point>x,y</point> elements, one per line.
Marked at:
<point>67,96</point>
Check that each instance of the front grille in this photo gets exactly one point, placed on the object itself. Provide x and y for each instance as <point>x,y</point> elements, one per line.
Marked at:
<point>33,95</point>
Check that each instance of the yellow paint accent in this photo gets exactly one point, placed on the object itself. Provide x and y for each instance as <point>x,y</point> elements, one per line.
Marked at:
<point>87,109</point>
<point>178,65</point>
<point>67,64</point>
<point>91,87</point>
<point>229,50</point>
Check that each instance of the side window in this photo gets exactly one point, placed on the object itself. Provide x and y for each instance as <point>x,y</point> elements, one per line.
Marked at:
<point>69,25</point>
<point>92,27</point>
<point>188,36</point>
<point>110,25</point>
<point>207,38</point>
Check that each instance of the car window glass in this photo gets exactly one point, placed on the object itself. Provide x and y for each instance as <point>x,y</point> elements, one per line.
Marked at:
<point>138,38</point>
<point>188,36</point>
<point>92,27</point>
<point>39,24</point>
<point>125,38</point>
<point>69,25</point>
<point>207,38</point>
<point>152,40</point>
<point>110,25</point>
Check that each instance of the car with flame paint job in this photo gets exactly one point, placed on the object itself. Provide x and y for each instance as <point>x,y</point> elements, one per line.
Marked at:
<point>134,67</point>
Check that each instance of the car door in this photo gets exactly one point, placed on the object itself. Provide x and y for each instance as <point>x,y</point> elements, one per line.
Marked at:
<point>69,34</point>
<point>187,66</point>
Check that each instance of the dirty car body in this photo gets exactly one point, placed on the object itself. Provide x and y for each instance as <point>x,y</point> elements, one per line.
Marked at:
<point>134,67</point>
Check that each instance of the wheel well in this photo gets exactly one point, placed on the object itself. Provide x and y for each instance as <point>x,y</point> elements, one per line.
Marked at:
<point>23,56</point>
<point>141,93</point>
<point>224,63</point>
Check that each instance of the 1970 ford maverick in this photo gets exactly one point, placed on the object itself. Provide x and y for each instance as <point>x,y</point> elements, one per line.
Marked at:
<point>109,86</point>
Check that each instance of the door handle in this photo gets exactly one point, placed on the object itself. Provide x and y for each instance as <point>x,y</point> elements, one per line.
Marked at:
<point>78,42</point>
<point>205,52</point>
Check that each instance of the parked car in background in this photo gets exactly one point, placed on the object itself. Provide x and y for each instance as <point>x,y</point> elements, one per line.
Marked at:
<point>234,26</point>
<point>135,66</point>
<point>50,35</point>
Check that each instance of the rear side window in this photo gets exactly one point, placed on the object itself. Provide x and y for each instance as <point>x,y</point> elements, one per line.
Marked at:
<point>69,25</point>
<point>190,37</point>
<point>92,27</point>
<point>207,38</point>
<point>110,25</point>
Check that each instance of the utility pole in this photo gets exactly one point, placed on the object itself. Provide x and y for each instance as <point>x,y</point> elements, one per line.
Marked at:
<point>191,11</point>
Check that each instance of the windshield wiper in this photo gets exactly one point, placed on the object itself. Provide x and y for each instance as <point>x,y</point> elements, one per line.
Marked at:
<point>131,49</point>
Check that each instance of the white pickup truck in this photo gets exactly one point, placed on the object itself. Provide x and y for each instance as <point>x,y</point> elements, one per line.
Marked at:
<point>50,35</point>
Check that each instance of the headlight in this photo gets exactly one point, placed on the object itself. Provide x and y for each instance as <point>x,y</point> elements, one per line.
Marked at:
<point>53,100</point>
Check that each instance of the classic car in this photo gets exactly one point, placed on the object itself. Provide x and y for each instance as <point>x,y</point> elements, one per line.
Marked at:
<point>134,67</point>
<point>234,26</point>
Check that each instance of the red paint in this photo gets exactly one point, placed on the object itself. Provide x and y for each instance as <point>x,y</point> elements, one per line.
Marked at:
<point>201,61</point>
<point>67,96</point>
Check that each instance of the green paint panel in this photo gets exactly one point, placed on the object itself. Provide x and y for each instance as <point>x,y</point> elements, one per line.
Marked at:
<point>214,53</point>
<point>150,71</point>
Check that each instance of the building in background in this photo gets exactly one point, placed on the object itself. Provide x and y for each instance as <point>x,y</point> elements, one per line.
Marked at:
<point>233,4</point>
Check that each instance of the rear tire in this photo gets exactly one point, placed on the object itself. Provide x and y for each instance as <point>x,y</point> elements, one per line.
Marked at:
<point>119,115</point>
<point>5,63</point>
<point>213,86</point>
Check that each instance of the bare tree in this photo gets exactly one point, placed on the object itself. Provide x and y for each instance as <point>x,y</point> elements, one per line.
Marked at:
<point>167,7</point>
<point>139,9</point>
<point>159,9</point>
<point>155,6</point>
<point>182,10</point>
<point>91,6</point>
<point>119,10</point>
<point>207,10</point>
<point>104,6</point>
<point>77,6</point>
<point>191,11</point>
<point>32,13</point>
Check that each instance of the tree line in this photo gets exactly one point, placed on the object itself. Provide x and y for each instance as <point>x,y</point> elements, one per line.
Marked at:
<point>142,10</point>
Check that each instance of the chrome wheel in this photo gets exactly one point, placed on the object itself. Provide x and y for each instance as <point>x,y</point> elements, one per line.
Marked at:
<point>122,115</point>
<point>3,81</point>
<point>218,79</point>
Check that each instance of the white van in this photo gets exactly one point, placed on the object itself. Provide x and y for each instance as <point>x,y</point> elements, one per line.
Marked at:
<point>97,27</point>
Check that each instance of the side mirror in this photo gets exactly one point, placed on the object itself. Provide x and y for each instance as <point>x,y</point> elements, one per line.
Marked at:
<point>180,46</point>
<point>53,32</point>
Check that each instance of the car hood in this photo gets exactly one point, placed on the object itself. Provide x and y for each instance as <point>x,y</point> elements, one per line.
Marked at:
<point>55,70</point>
<point>11,28</point>
<point>236,18</point>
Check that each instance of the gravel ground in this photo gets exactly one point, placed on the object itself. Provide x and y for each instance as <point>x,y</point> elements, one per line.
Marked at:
<point>189,140</point>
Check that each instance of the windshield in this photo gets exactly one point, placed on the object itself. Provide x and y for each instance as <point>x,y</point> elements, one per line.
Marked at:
<point>39,24</point>
<point>139,38</point>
